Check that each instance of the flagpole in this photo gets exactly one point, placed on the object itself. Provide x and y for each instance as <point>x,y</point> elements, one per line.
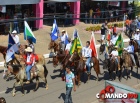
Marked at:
<point>95,43</point>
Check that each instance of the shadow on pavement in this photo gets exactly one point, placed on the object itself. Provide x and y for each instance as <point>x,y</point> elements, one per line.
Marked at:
<point>62,95</point>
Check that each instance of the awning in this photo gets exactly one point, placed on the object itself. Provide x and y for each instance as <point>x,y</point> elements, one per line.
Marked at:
<point>17,2</point>
<point>61,0</point>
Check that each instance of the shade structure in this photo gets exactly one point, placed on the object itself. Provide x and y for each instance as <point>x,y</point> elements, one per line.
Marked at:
<point>15,2</point>
<point>62,0</point>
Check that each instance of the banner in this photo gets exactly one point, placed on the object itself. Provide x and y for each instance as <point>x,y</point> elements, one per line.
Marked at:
<point>114,3</point>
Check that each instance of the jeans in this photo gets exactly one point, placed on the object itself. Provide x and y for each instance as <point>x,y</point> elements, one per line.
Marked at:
<point>117,61</point>
<point>106,56</point>
<point>68,98</point>
<point>16,27</point>
<point>88,64</point>
<point>132,56</point>
<point>28,68</point>
<point>138,41</point>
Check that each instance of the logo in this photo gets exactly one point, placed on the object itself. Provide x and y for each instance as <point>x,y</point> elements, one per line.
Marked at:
<point>109,93</point>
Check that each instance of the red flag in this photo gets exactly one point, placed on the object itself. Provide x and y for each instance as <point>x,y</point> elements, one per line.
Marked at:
<point>93,46</point>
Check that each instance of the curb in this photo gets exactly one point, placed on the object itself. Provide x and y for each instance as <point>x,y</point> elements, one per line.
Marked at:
<point>50,55</point>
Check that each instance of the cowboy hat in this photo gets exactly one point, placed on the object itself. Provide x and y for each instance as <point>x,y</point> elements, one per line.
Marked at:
<point>63,31</point>
<point>14,32</point>
<point>29,49</point>
<point>116,47</point>
<point>137,30</point>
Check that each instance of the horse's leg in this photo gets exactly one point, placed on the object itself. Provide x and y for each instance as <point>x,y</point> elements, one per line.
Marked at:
<point>127,74</point>
<point>46,83</point>
<point>13,91</point>
<point>37,83</point>
<point>79,75</point>
<point>89,74</point>
<point>22,85</point>
<point>131,72</point>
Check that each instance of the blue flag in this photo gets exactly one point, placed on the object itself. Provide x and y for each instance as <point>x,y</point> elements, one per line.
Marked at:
<point>55,31</point>
<point>66,38</point>
<point>75,35</point>
<point>12,48</point>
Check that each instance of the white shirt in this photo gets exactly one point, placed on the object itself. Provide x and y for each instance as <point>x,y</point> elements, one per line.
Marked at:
<point>130,49</point>
<point>115,53</point>
<point>137,36</point>
<point>114,39</point>
<point>63,37</point>
<point>68,46</point>
<point>86,52</point>
<point>16,38</point>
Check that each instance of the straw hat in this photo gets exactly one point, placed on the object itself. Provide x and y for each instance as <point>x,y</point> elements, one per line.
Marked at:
<point>63,31</point>
<point>116,47</point>
<point>137,30</point>
<point>14,32</point>
<point>29,49</point>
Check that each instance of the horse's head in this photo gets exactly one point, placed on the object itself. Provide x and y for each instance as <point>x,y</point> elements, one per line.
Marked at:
<point>102,48</point>
<point>11,69</point>
<point>106,64</point>
<point>124,54</point>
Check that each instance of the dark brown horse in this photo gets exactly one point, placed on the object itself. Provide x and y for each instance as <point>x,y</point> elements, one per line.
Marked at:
<point>102,49</point>
<point>81,67</point>
<point>3,50</point>
<point>127,62</point>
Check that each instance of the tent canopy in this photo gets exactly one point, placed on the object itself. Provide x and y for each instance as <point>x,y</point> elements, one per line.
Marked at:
<point>15,2</point>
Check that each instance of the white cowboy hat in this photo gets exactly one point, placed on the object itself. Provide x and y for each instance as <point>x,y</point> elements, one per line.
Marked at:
<point>29,49</point>
<point>14,32</point>
<point>137,30</point>
<point>63,31</point>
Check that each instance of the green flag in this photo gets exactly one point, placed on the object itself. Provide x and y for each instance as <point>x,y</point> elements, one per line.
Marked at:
<point>76,46</point>
<point>120,44</point>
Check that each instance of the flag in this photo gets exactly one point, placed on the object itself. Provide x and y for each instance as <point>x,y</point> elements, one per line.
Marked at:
<point>120,44</point>
<point>75,34</point>
<point>66,38</point>
<point>93,46</point>
<point>55,31</point>
<point>76,45</point>
<point>28,34</point>
<point>12,48</point>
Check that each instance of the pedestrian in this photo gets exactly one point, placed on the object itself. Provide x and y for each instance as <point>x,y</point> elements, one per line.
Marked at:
<point>90,15</point>
<point>63,37</point>
<point>16,23</point>
<point>103,33</point>
<point>70,83</point>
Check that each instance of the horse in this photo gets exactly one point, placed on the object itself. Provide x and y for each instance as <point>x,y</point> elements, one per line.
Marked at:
<point>112,66</point>
<point>3,50</point>
<point>127,62</point>
<point>81,67</point>
<point>20,75</point>
<point>102,49</point>
<point>136,46</point>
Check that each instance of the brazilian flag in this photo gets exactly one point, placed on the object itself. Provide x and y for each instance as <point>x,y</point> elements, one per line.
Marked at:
<point>76,46</point>
<point>120,44</point>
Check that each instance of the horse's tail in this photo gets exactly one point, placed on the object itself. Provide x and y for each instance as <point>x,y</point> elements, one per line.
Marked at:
<point>137,60</point>
<point>45,71</point>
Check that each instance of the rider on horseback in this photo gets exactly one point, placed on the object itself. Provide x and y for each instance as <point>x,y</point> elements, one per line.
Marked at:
<point>114,39</point>
<point>86,54</point>
<point>30,60</point>
<point>68,46</point>
<point>137,37</point>
<point>62,38</point>
<point>130,50</point>
<point>114,56</point>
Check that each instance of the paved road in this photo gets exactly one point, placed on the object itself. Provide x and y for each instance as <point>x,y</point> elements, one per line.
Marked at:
<point>56,93</point>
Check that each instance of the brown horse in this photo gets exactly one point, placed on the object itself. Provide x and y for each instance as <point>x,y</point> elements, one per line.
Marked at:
<point>81,67</point>
<point>127,62</point>
<point>20,75</point>
<point>3,50</point>
<point>136,46</point>
<point>54,45</point>
<point>102,49</point>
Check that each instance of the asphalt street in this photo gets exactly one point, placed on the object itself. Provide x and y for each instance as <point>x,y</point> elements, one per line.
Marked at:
<point>56,92</point>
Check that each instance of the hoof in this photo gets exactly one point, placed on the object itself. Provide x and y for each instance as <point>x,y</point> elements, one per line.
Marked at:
<point>47,88</point>
<point>14,94</point>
